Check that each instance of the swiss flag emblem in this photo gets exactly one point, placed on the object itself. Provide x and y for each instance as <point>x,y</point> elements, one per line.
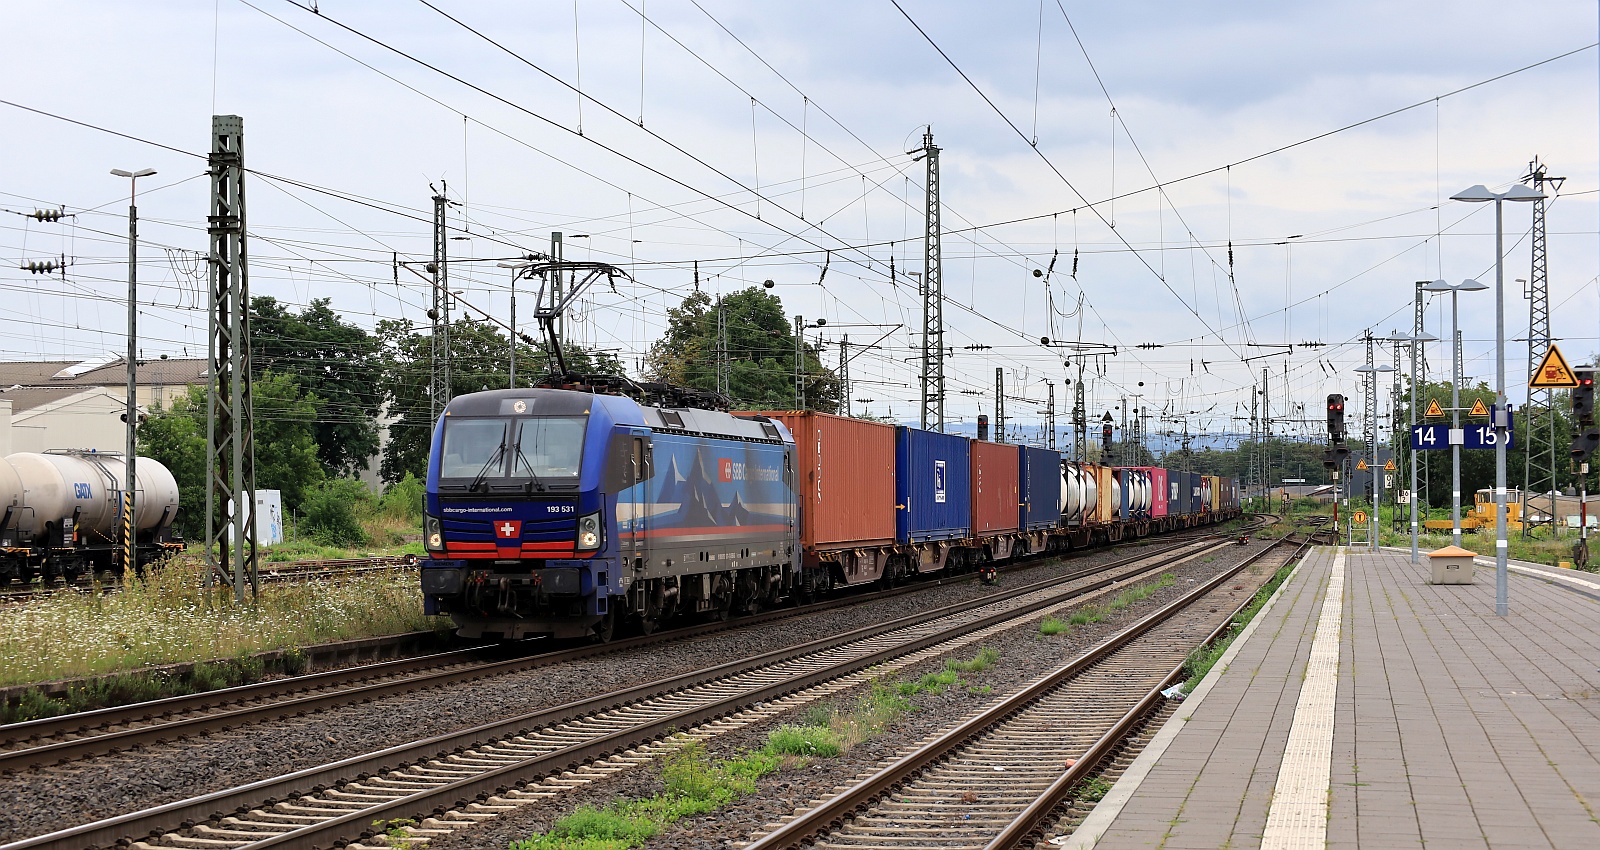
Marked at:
<point>508,529</point>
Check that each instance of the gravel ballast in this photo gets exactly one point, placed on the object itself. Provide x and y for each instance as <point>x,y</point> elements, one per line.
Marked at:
<point>1025,656</point>
<point>55,798</point>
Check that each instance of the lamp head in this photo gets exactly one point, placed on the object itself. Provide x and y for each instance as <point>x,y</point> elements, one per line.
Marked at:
<point>1476,194</point>
<point>1519,192</point>
<point>1437,286</point>
<point>1470,285</point>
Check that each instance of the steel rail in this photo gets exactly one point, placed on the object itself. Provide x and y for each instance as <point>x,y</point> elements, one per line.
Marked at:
<point>1033,818</point>
<point>282,697</point>
<point>834,811</point>
<point>213,806</point>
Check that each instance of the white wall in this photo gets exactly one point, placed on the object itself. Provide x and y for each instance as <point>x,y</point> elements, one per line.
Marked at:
<point>88,420</point>
<point>5,427</point>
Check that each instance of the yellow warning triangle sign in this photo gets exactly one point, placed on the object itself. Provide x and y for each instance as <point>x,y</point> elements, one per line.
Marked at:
<point>1434,410</point>
<point>1361,464</point>
<point>1553,373</point>
<point>1389,467</point>
<point>1478,409</point>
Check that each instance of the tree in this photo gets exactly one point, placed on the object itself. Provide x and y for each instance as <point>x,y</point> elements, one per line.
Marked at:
<point>480,354</point>
<point>337,362</point>
<point>760,350</point>
<point>285,451</point>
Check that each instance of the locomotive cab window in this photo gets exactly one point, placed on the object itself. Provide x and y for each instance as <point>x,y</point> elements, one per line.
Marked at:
<point>473,447</point>
<point>547,450</point>
<point>548,447</point>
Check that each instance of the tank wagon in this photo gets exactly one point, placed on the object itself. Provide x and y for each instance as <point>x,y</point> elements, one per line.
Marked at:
<point>566,512</point>
<point>61,514</point>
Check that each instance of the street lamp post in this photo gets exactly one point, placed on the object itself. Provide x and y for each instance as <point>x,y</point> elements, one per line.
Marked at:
<point>1413,343</point>
<point>1502,416</point>
<point>131,412</point>
<point>1455,394</point>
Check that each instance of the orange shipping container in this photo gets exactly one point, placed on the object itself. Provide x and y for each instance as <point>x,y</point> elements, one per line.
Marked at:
<point>994,487</point>
<point>845,477</point>
<point>1106,510</point>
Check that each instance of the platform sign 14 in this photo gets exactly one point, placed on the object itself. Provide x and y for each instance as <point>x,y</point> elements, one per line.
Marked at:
<point>1426,437</point>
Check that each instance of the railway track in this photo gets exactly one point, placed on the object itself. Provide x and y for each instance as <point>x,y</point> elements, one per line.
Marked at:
<point>999,780</point>
<point>597,736</point>
<point>271,572</point>
<point>57,740</point>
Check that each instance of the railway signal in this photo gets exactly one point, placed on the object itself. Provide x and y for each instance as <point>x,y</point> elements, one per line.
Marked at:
<point>1336,430</point>
<point>1586,436</point>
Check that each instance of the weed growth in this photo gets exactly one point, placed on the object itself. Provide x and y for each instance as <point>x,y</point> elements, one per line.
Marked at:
<point>1202,659</point>
<point>1052,625</point>
<point>168,617</point>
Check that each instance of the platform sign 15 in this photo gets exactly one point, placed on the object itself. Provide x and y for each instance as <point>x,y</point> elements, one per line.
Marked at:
<point>1428,437</point>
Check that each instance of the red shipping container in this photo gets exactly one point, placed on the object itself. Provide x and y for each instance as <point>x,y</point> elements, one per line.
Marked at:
<point>1158,489</point>
<point>994,487</point>
<point>845,478</point>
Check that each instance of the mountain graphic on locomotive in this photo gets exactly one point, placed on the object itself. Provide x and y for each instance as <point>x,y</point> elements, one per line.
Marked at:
<point>567,512</point>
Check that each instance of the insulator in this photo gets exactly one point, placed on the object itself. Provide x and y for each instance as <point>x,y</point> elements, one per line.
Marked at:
<point>1074,263</point>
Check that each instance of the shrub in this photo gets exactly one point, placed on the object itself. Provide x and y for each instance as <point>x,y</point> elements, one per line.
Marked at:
<point>403,500</point>
<point>332,512</point>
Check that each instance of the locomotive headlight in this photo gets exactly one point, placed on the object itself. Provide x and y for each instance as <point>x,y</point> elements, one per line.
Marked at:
<point>589,531</point>
<point>433,532</point>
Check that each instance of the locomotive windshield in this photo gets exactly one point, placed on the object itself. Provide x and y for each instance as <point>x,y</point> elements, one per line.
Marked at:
<point>543,449</point>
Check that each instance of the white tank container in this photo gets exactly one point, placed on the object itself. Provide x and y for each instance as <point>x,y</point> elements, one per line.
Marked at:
<point>55,485</point>
<point>1078,492</point>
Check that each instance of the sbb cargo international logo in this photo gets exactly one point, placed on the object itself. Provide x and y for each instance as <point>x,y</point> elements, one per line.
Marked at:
<point>729,470</point>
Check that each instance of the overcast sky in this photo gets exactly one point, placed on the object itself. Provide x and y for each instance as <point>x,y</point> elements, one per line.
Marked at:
<point>769,140</point>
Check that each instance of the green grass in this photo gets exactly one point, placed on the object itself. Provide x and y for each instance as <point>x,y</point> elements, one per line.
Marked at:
<point>696,784</point>
<point>1093,790</point>
<point>1202,659</point>
<point>1053,625</point>
<point>168,618</point>
<point>818,740</point>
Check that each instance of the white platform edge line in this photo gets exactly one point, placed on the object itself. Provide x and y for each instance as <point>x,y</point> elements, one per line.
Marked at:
<point>1298,817</point>
<point>1111,805</point>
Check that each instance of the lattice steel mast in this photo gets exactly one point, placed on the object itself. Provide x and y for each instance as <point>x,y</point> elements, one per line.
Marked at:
<point>932,297</point>
<point>230,428</point>
<point>1539,468</point>
<point>439,383</point>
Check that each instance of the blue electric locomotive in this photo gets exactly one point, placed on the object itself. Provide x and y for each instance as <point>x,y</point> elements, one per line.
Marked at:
<point>561,512</point>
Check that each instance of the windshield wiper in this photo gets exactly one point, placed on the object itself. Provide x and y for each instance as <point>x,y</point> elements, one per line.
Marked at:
<point>522,462</point>
<point>484,472</point>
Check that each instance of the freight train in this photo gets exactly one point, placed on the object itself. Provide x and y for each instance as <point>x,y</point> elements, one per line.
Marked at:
<point>61,514</point>
<point>569,513</point>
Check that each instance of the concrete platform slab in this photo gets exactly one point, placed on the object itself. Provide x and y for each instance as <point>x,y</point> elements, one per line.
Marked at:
<point>1451,727</point>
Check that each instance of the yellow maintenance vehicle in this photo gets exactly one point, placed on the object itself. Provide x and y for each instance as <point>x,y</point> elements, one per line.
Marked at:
<point>1481,515</point>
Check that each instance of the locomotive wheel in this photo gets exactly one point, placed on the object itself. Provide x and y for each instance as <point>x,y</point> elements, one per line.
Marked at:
<point>607,627</point>
<point>648,624</point>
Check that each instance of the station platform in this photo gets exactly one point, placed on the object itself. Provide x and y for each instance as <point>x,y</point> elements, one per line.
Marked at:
<point>1365,707</point>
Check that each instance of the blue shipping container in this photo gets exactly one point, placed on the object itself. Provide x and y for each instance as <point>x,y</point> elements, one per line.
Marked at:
<point>1179,500</point>
<point>932,485</point>
<point>1039,477</point>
